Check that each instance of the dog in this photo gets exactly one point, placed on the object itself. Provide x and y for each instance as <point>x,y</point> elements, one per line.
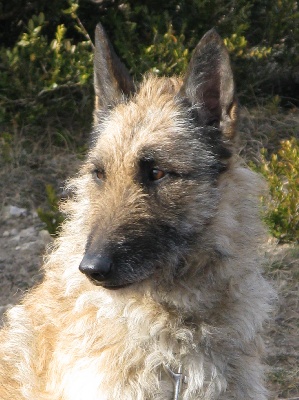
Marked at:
<point>154,289</point>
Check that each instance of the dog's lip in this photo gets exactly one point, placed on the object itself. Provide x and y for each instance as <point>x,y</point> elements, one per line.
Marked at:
<point>110,287</point>
<point>116,287</point>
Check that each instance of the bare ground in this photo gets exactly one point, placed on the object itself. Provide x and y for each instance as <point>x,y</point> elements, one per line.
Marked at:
<point>23,240</point>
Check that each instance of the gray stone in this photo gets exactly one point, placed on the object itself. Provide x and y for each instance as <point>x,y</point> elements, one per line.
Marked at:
<point>28,232</point>
<point>45,237</point>
<point>17,211</point>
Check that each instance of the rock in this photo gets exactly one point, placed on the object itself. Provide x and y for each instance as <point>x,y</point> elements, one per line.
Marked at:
<point>45,237</point>
<point>6,234</point>
<point>28,232</point>
<point>15,238</point>
<point>13,211</point>
<point>17,211</point>
<point>27,246</point>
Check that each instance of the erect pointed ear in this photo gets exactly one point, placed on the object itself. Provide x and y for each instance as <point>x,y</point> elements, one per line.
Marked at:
<point>111,78</point>
<point>209,83</point>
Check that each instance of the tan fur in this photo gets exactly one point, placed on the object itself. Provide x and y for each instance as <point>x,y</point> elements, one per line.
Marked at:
<point>71,340</point>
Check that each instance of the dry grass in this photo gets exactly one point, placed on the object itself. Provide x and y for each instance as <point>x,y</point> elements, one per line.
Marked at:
<point>283,343</point>
<point>264,127</point>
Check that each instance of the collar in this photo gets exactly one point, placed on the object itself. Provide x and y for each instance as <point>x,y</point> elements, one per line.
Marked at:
<point>177,379</point>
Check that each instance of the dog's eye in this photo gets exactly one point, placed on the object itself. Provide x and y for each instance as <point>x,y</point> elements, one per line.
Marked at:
<point>99,174</point>
<point>156,174</point>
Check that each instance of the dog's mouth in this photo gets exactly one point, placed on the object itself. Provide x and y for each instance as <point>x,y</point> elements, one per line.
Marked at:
<point>116,287</point>
<point>108,286</point>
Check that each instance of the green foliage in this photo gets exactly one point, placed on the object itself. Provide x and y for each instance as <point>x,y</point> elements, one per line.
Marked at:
<point>51,216</point>
<point>46,53</point>
<point>261,35</point>
<point>282,173</point>
<point>167,55</point>
<point>6,147</point>
<point>238,45</point>
<point>43,81</point>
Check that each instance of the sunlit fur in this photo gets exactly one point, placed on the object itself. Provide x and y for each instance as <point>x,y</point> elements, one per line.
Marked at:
<point>72,340</point>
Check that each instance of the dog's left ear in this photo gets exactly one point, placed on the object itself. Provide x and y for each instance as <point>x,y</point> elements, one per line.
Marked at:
<point>209,84</point>
<point>111,78</point>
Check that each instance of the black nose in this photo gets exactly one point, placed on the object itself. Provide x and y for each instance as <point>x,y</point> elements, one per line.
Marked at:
<point>96,267</point>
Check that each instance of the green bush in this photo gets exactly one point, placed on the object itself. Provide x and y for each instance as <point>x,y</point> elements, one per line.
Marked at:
<point>262,37</point>
<point>167,55</point>
<point>51,216</point>
<point>45,83</point>
<point>282,173</point>
<point>49,50</point>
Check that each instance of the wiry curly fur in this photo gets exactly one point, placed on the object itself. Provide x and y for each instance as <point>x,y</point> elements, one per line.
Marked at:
<point>201,300</point>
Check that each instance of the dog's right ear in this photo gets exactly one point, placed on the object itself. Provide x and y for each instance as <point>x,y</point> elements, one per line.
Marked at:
<point>111,78</point>
<point>209,84</point>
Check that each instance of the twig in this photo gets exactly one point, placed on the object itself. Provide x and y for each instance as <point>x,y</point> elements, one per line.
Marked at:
<point>290,398</point>
<point>84,31</point>
<point>30,100</point>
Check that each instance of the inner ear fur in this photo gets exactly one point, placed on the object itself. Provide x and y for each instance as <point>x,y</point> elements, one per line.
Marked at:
<point>111,78</point>
<point>209,84</point>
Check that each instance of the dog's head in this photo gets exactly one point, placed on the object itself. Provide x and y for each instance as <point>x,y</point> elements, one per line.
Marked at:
<point>151,174</point>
